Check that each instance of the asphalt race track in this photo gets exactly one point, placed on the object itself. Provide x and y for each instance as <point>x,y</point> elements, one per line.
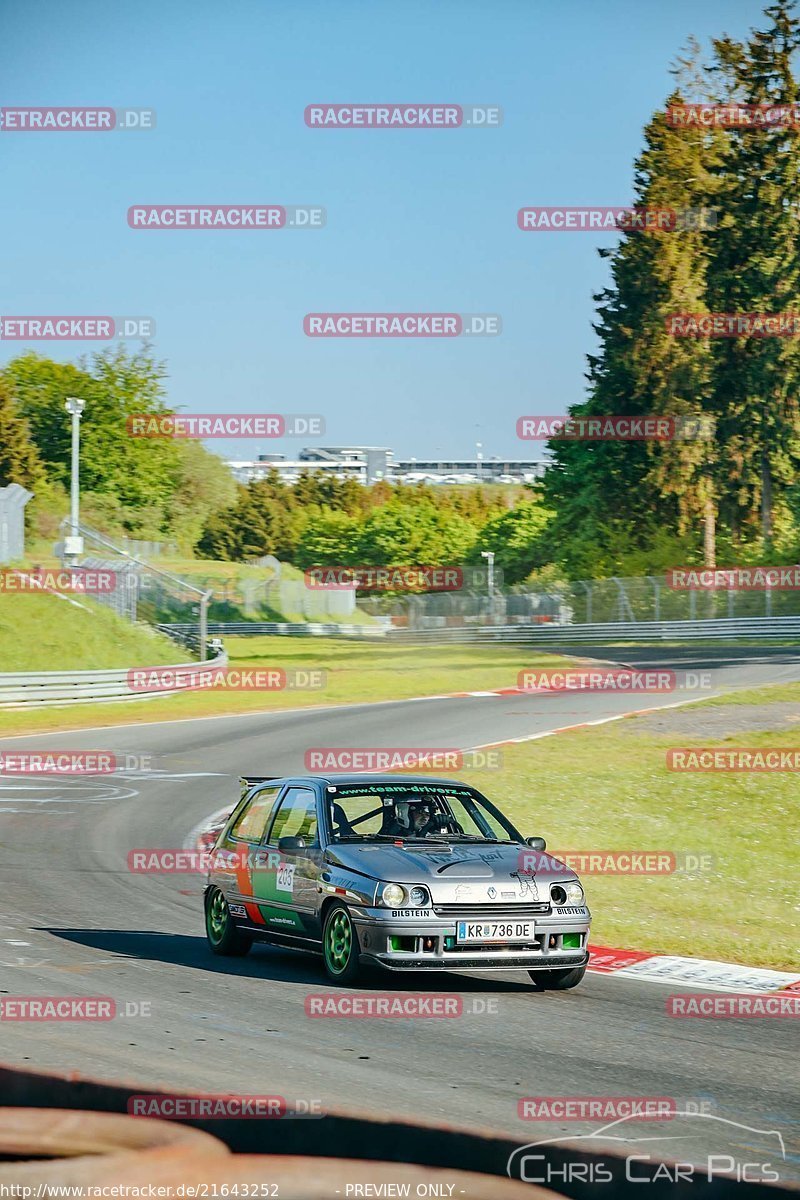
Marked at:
<point>75,921</point>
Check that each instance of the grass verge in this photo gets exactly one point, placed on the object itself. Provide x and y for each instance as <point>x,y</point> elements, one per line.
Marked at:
<point>609,788</point>
<point>48,633</point>
<point>354,672</point>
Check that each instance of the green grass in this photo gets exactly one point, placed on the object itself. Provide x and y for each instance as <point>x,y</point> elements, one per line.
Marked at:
<point>609,788</point>
<point>355,672</point>
<point>777,692</point>
<point>605,788</point>
<point>44,633</point>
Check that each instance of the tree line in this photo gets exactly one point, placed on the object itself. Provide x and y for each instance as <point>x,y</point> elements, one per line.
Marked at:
<point>604,507</point>
<point>732,496</point>
<point>176,490</point>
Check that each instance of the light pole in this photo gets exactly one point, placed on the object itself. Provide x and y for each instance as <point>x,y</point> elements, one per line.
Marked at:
<point>479,451</point>
<point>73,543</point>
<point>489,556</point>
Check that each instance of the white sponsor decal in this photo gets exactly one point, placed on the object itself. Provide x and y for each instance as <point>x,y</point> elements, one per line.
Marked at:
<point>285,881</point>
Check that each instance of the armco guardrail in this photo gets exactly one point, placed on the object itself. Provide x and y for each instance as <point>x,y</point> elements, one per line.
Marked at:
<point>21,689</point>
<point>297,629</point>
<point>724,629</point>
<point>770,628</point>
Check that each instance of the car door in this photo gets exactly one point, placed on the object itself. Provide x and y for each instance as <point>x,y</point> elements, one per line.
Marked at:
<point>287,886</point>
<point>235,865</point>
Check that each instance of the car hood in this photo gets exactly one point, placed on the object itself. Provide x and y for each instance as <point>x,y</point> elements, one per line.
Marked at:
<point>442,864</point>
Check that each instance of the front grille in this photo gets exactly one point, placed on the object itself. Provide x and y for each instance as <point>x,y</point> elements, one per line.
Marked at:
<point>500,911</point>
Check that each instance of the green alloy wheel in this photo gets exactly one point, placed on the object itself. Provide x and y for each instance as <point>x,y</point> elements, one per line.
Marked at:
<point>340,945</point>
<point>223,936</point>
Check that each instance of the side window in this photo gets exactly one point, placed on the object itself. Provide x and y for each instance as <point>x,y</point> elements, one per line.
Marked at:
<point>255,818</point>
<point>296,817</point>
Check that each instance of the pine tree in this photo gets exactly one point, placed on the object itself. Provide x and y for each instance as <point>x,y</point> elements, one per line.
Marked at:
<point>612,493</point>
<point>19,458</point>
<point>757,269</point>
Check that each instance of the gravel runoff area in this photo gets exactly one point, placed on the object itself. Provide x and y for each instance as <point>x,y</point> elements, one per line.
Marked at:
<point>778,716</point>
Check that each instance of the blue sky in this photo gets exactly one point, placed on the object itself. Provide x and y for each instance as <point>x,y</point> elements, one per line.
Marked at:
<point>416,221</point>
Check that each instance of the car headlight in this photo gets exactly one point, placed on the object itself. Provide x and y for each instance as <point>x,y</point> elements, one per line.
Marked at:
<point>392,895</point>
<point>574,892</point>
<point>419,897</point>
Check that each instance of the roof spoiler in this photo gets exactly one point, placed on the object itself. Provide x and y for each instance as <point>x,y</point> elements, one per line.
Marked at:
<point>248,781</point>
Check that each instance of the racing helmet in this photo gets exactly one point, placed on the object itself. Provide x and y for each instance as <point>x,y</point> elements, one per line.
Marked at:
<point>412,811</point>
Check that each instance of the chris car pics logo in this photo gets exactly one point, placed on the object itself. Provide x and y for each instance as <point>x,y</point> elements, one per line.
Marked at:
<point>699,1147</point>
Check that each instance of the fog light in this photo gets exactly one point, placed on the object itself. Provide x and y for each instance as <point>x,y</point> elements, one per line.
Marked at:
<point>571,941</point>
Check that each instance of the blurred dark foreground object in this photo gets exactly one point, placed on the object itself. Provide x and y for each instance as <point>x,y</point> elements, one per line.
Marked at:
<point>92,1140</point>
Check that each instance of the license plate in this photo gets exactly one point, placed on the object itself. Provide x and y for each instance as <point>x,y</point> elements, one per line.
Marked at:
<point>495,931</point>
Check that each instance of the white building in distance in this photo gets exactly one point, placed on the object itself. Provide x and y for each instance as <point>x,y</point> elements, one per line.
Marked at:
<point>368,464</point>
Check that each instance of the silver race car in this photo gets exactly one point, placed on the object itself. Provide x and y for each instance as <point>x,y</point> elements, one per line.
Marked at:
<point>404,872</point>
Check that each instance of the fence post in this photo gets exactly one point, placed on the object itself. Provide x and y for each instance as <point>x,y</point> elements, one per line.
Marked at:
<point>203,631</point>
<point>625,610</point>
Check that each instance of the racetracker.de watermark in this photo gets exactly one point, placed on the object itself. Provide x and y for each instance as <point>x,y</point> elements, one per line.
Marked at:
<point>75,120</point>
<point>615,680</point>
<point>74,329</point>
<point>733,758</point>
<point>645,428</point>
<point>733,116</point>
<point>399,1005</point>
<point>402,116</point>
<point>596,1108</point>
<point>624,219</point>
<point>58,762</point>
<point>226,216</point>
<point>602,862</point>
<point>396,758</point>
<point>759,1004</point>
<point>159,860</point>
<point>385,579</point>
<point>178,1107</point>
<point>82,580</point>
<point>402,325</point>
<point>734,579</point>
<point>224,425</point>
<point>733,325</point>
<point>70,1008</point>
<point>226,679</point>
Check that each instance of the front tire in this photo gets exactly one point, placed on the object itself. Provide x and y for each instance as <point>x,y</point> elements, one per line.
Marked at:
<point>224,937</point>
<point>557,981</point>
<point>340,949</point>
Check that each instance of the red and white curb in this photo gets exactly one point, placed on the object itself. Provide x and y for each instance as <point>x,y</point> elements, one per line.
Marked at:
<point>694,972</point>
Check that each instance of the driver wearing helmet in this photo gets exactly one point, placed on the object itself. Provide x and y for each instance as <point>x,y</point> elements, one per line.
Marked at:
<point>413,817</point>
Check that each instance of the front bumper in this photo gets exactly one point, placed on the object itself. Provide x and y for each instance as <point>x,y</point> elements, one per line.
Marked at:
<point>428,942</point>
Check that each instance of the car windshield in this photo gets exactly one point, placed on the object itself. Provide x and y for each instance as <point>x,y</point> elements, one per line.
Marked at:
<point>415,812</point>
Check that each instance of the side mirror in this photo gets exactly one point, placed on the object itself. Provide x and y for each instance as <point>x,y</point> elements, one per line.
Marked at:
<point>292,843</point>
<point>537,843</point>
